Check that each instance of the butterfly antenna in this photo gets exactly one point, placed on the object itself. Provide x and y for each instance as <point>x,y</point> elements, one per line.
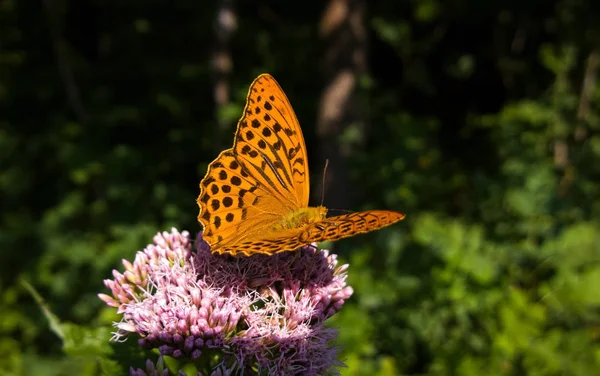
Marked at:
<point>323,184</point>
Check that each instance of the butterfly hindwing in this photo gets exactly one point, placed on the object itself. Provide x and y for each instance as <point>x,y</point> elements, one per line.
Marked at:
<point>284,241</point>
<point>231,202</point>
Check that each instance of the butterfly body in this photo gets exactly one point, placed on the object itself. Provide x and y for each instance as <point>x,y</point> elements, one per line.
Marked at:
<point>301,217</point>
<point>254,196</point>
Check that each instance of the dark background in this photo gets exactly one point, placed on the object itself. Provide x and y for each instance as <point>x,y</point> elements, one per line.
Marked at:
<point>479,120</point>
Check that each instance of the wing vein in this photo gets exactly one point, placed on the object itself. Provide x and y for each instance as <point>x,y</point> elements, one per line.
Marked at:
<point>278,158</point>
<point>270,164</point>
<point>272,188</point>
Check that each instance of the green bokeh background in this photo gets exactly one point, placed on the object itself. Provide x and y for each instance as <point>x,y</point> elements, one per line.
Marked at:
<point>479,120</point>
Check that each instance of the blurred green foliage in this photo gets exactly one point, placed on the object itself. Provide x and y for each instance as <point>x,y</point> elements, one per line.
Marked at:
<point>484,129</point>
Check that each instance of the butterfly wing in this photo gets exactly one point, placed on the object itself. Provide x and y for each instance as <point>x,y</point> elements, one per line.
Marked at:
<point>250,188</point>
<point>333,228</point>
<point>269,143</point>
<point>346,225</point>
<point>233,205</point>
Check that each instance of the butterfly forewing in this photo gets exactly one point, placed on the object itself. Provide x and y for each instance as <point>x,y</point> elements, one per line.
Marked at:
<point>270,144</point>
<point>346,225</point>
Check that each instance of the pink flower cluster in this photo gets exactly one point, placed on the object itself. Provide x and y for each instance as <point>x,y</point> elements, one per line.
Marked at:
<point>262,314</point>
<point>159,369</point>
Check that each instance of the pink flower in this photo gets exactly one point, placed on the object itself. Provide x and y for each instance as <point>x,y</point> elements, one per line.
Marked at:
<point>262,313</point>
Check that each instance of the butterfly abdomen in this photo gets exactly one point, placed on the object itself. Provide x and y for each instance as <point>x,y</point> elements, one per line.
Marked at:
<point>301,217</point>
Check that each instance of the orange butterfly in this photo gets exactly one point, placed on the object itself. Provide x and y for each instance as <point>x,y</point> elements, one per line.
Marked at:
<point>254,197</point>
